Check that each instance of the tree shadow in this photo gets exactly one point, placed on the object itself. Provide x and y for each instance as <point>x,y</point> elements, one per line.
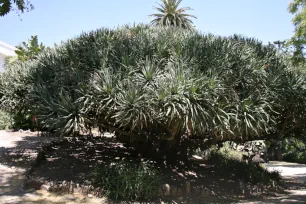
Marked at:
<point>17,152</point>
<point>23,152</point>
<point>76,161</point>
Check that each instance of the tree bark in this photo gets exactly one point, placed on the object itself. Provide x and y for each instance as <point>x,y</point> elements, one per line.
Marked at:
<point>279,155</point>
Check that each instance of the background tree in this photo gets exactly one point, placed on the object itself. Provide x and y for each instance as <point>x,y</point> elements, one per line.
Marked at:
<point>15,91</point>
<point>171,15</point>
<point>18,5</point>
<point>298,41</point>
<point>30,50</point>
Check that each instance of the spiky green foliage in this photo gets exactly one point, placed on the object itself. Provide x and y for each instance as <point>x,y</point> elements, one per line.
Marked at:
<point>158,84</point>
<point>171,15</point>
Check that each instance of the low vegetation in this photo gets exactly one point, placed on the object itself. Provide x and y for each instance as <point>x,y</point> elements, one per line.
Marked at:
<point>233,167</point>
<point>5,121</point>
<point>294,150</point>
<point>238,164</point>
<point>129,181</point>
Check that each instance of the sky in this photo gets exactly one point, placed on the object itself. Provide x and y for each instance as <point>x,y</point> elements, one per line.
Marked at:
<point>58,20</point>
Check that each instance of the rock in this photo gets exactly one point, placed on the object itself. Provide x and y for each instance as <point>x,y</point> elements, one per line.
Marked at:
<point>70,197</point>
<point>256,158</point>
<point>90,196</point>
<point>166,189</point>
<point>197,157</point>
<point>33,184</point>
<point>45,187</point>
<point>90,144</point>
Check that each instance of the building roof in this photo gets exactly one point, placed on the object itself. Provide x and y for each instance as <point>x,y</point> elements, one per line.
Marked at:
<point>6,49</point>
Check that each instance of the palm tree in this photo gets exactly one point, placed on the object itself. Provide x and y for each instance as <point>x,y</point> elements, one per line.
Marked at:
<point>171,15</point>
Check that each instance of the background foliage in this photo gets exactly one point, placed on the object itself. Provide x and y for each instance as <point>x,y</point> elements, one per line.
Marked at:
<point>5,121</point>
<point>15,81</point>
<point>7,6</point>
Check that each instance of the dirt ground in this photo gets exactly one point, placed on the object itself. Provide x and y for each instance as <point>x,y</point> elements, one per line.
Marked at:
<point>18,149</point>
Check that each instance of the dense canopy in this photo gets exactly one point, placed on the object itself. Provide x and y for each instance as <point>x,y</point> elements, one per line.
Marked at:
<point>159,84</point>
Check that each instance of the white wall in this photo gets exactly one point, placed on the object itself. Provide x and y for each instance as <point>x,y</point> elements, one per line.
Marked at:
<point>5,50</point>
<point>2,57</point>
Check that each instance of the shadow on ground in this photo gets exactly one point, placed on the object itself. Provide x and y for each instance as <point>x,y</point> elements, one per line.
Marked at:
<point>21,152</point>
<point>75,161</point>
<point>17,151</point>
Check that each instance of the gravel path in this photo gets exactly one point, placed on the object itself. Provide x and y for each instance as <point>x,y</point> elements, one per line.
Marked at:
<point>295,174</point>
<point>291,171</point>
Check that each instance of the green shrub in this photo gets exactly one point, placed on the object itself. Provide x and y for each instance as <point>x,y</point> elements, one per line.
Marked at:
<point>5,121</point>
<point>295,157</point>
<point>128,181</point>
<point>294,150</point>
<point>22,120</point>
<point>233,167</point>
<point>228,150</point>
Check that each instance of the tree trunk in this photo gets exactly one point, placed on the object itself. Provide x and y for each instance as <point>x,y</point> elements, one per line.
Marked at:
<point>279,156</point>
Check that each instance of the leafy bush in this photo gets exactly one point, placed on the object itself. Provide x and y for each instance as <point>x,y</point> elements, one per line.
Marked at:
<point>22,120</point>
<point>129,181</point>
<point>233,167</point>
<point>228,150</point>
<point>294,150</point>
<point>295,157</point>
<point>14,87</point>
<point>5,121</point>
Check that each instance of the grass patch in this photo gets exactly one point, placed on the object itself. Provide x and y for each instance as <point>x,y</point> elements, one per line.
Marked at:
<point>128,181</point>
